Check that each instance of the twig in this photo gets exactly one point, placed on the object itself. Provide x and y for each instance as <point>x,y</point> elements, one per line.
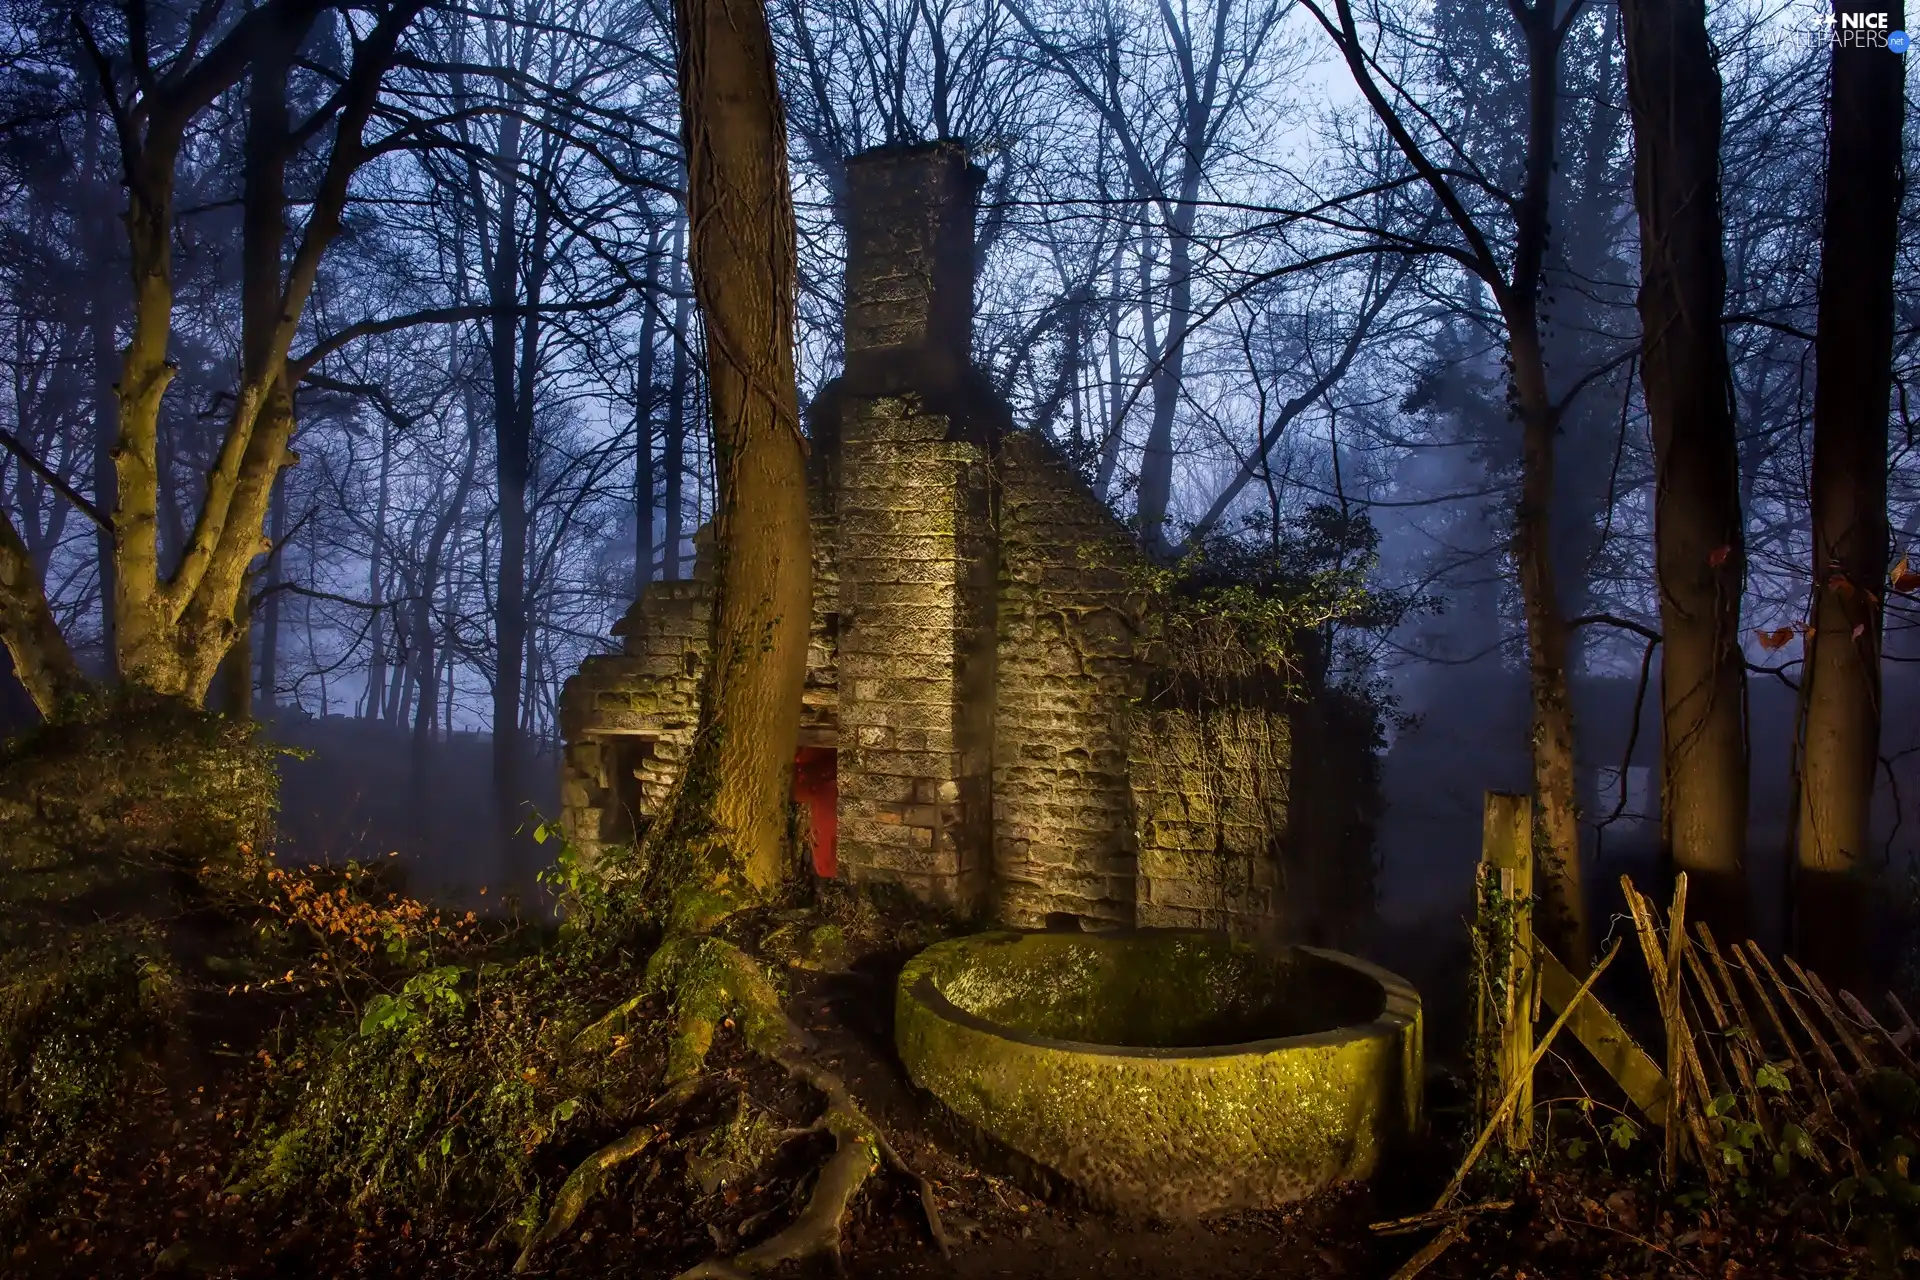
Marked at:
<point>1906,1019</point>
<point>1736,1053</point>
<point>1821,997</point>
<point>1432,1250</point>
<point>1690,1074</point>
<point>1820,1045</point>
<point>1873,1024</point>
<point>1518,1084</point>
<point>1433,1218</point>
<point>1773,1015</point>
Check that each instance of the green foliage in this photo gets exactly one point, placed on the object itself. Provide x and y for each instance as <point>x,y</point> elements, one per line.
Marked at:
<point>1492,936</point>
<point>419,997</point>
<point>1277,584</point>
<point>448,1097</point>
<point>126,781</point>
<point>453,1090</point>
<point>80,1019</point>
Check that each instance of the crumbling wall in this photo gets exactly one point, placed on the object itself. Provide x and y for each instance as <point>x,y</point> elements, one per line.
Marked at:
<point>1067,679</point>
<point>913,760</point>
<point>628,718</point>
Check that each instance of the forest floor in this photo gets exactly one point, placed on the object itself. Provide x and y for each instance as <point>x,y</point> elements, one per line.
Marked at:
<point>161,1206</point>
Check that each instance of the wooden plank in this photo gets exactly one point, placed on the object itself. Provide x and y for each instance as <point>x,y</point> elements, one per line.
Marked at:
<point>1637,1074</point>
<point>1507,855</point>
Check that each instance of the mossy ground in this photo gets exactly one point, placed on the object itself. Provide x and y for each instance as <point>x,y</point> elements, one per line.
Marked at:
<point>205,1076</point>
<point>167,1194</point>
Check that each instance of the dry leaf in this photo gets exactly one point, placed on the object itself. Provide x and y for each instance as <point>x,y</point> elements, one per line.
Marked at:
<point>1905,579</point>
<point>1718,556</point>
<point>1774,640</point>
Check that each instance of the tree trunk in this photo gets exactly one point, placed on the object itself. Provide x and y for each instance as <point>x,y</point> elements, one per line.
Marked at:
<point>1564,924</point>
<point>234,683</point>
<point>1853,353</point>
<point>1156,460</point>
<point>511,465</point>
<point>743,265</point>
<point>376,702</point>
<point>270,607</point>
<point>674,451</point>
<point>643,481</point>
<point>1699,551</point>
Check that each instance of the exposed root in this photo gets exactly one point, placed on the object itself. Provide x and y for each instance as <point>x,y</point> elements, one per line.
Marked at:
<point>712,984</point>
<point>817,1229</point>
<point>581,1186</point>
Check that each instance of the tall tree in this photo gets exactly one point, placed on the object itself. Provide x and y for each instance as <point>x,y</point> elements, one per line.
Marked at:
<point>1853,354</point>
<point>172,629</point>
<point>742,256</point>
<point>1499,237</point>
<point>1700,553</point>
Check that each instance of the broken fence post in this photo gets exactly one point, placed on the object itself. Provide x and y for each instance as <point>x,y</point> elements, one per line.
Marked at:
<point>1506,997</point>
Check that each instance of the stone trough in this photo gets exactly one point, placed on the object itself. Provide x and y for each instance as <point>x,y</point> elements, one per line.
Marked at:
<point>1167,1072</point>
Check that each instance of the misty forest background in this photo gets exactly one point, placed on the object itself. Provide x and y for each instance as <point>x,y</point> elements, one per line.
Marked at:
<point>1207,272</point>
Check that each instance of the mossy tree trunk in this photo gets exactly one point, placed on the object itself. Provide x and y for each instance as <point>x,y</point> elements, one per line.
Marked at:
<point>740,214</point>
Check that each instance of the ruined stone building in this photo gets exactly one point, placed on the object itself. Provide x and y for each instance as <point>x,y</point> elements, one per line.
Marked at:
<point>995,718</point>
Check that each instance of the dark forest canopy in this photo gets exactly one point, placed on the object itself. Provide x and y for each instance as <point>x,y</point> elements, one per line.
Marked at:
<point>354,368</point>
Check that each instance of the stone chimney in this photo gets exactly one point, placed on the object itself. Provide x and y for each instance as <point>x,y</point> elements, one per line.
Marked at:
<point>916,547</point>
<point>909,288</point>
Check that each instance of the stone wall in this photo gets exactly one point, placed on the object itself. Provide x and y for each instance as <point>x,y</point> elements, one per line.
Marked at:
<point>1210,810</point>
<point>915,537</point>
<point>914,524</point>
<point>628,718</point>
<point>1068,676</point>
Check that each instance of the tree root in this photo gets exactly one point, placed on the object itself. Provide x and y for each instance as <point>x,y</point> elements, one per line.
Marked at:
<point>714,984</point>
<point>581,1186</point>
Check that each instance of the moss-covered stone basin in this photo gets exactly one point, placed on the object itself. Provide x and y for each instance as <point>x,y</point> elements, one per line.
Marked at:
<point>1168,1072</point>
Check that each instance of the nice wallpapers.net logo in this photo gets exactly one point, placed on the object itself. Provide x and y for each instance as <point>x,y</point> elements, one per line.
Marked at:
<point>1856,31</point>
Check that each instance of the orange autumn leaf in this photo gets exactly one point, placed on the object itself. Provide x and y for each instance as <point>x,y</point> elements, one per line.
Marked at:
<point>1905,579</point>
<point>1772,640</point>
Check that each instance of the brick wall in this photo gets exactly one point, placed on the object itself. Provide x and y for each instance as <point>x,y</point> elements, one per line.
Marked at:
<point>915,537</point>
<point>1067,680</point>
<point>1210,808</point>
<point>914,526</point>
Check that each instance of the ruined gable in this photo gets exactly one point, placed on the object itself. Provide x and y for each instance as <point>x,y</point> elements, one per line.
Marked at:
<point>998,716</point>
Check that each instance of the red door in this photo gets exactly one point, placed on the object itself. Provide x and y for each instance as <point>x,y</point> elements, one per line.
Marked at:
<point>816,785</point>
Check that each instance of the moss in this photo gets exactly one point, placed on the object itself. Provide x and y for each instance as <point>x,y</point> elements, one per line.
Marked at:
<point>1149,989</point>
<point>825,947</point>
<point>732,1152</point>
<point>80,1021</point>
<point>451,1112</point>
<point>1158,1130</point>
<point>125,781</point>
<point>711,982</point>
